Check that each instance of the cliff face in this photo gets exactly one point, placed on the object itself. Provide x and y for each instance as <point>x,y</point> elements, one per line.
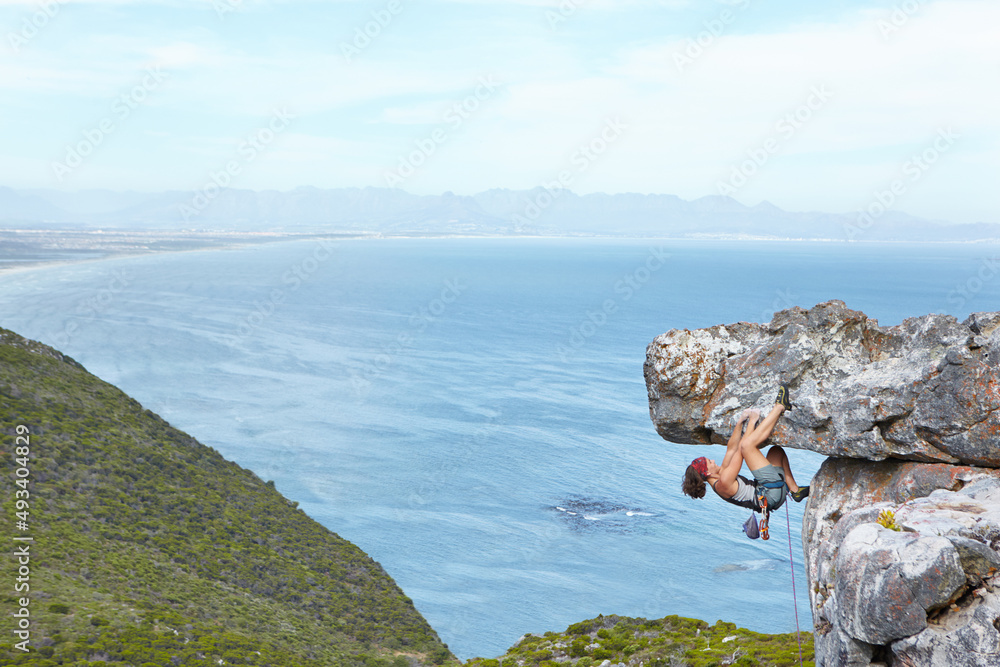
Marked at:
<point>924,593</point>
<point>902,528</point>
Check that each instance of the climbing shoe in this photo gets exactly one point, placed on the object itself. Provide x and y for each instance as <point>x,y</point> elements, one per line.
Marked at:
<point>801,494</point>
<point>784,397</point>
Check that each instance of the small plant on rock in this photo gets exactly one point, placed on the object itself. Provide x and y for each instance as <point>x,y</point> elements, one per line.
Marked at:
<point>887,519</point>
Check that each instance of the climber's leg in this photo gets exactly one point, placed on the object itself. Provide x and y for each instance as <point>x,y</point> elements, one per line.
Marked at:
<point>764,470</point>
<point>776,455</point>
<point>755,437</point>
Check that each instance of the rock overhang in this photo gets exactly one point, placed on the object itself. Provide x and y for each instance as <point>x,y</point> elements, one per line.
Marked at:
<point>927,389</point>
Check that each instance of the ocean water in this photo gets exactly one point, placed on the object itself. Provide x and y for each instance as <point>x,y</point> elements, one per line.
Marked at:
<point>472,412</point>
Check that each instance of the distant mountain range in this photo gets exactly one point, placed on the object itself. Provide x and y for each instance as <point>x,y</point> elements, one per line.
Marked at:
<point>494,212</point>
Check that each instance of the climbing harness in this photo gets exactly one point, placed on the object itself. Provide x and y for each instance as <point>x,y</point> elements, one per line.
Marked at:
<point>762,501</point>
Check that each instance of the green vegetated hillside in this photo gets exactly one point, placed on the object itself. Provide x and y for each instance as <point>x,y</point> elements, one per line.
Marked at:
<point>150,549</point>
<point>667,642</point>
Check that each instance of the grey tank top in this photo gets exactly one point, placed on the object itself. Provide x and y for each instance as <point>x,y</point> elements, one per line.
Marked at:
<point>746,494</point>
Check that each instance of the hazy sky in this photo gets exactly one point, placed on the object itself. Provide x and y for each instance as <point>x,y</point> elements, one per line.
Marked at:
<point>812,106</point>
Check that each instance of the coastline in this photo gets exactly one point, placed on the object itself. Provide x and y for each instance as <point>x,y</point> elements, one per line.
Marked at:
<point>63,247</point>
<point>79,246</point>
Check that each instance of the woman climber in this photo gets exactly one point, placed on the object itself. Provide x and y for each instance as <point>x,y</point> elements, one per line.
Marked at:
<point>772,473</point>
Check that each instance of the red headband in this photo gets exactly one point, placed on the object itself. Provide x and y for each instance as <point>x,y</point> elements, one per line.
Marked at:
<point>701,465</point>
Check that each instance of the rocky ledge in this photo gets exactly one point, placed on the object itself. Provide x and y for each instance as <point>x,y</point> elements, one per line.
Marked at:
<point>902,528</point>
<point>925,390</point>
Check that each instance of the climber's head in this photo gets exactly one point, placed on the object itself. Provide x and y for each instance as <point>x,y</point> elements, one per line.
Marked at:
<point>694,478</point>
<point>701,465</point>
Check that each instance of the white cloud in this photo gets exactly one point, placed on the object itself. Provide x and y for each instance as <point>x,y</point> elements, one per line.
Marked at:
<point>687,126</point>
<point>888,98</point>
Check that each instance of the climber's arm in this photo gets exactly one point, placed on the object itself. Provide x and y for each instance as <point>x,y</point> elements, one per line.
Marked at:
<point>733,460</point>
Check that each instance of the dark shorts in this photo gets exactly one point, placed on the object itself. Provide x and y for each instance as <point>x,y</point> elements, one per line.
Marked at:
<point>772,473</point>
